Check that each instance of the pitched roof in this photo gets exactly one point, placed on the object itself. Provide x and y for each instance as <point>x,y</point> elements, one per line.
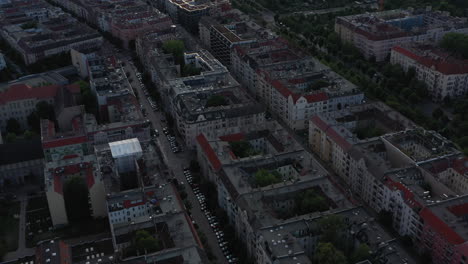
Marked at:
<point>209,152</point>
<point>335,136</point>
<point>439,226</point>
<point>64,142</point>
<point>446,65</point>
<point>22,91</point>
<point>232,137</point>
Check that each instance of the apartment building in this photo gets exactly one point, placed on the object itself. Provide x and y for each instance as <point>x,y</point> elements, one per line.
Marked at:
<point>56,173</point>
<point>220,39</point>
<point>292,85</point>
<point>78,132</point>
<point>188,13</point>
<point>247,60</point>
<point>375,34</point>
<point>38,30</point>
<point>445,75</point>
<point>212,102</point>
<point>296,91</point>
<point>394,168</point>
<point>160,66</point>
<point>19,100</point>
<point>124,19</point>
<point>263,215</point>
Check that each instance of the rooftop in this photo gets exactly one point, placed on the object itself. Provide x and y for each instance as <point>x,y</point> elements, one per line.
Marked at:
<point>124,148</point>
<point>283,241</point>
<point>56,172</point>
<point>447,218</point>
<point>308,78</point>
<point>434,57</point>
<point>400,23</point>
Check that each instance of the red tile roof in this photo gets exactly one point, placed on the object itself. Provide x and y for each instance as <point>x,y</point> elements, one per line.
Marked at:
<point>209,152</point>
<point>233,137</point>
<point>435,223</point>
<point>59,172</point>
<point>286,92</point>
<point>461,165</point>
<point>443,65</point>
<point>22,91</point>
<point>60,142</point>
<point>335,136</point>
<point>459,210</point>
<point>408,195</point>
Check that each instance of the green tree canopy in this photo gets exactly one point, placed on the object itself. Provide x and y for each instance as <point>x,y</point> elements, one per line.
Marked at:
<point>10,137</point>
<point>29,134</point>
<point>331,226</point>
<point>144,242</point>
<point>326,253</point>
<point>43,110</point>
<point>456,43</point>
<point>216,100</point>
<point>176,48</point>
<point>265,178</point>
<point>361,253</point>
<point>242,149</point>
<point>75,193</point>
<point>88,98</point>
<point>309,202</point>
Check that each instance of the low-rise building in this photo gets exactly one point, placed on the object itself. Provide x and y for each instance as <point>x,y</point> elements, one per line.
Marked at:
<point>375,34</point>
<point>445,75</point>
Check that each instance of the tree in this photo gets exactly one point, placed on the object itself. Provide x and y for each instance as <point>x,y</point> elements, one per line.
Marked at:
<point>331,226</point>
<point>29,134</point>
<point>88,99</point>
<point>309,202</point>
<point>10,137</point>
<point>264,177</point>
<point>176,48</point>
<point>326,253</point>
<point>43,110</point>
<point>242,149</point>
<point>216,100</point>
<point>75,193</point>
<point>190,70</point>
<point>361,253</point>
<point>145,243</point>
<point>456,43</point>
<point>13,126</point>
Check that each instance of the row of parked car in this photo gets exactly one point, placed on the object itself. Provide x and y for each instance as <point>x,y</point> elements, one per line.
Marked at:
<point>172,140</point>
<point>212,219</point>
<point>153,104</point>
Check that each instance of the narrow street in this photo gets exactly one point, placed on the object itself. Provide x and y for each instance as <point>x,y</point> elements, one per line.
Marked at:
<point>176,162</point>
